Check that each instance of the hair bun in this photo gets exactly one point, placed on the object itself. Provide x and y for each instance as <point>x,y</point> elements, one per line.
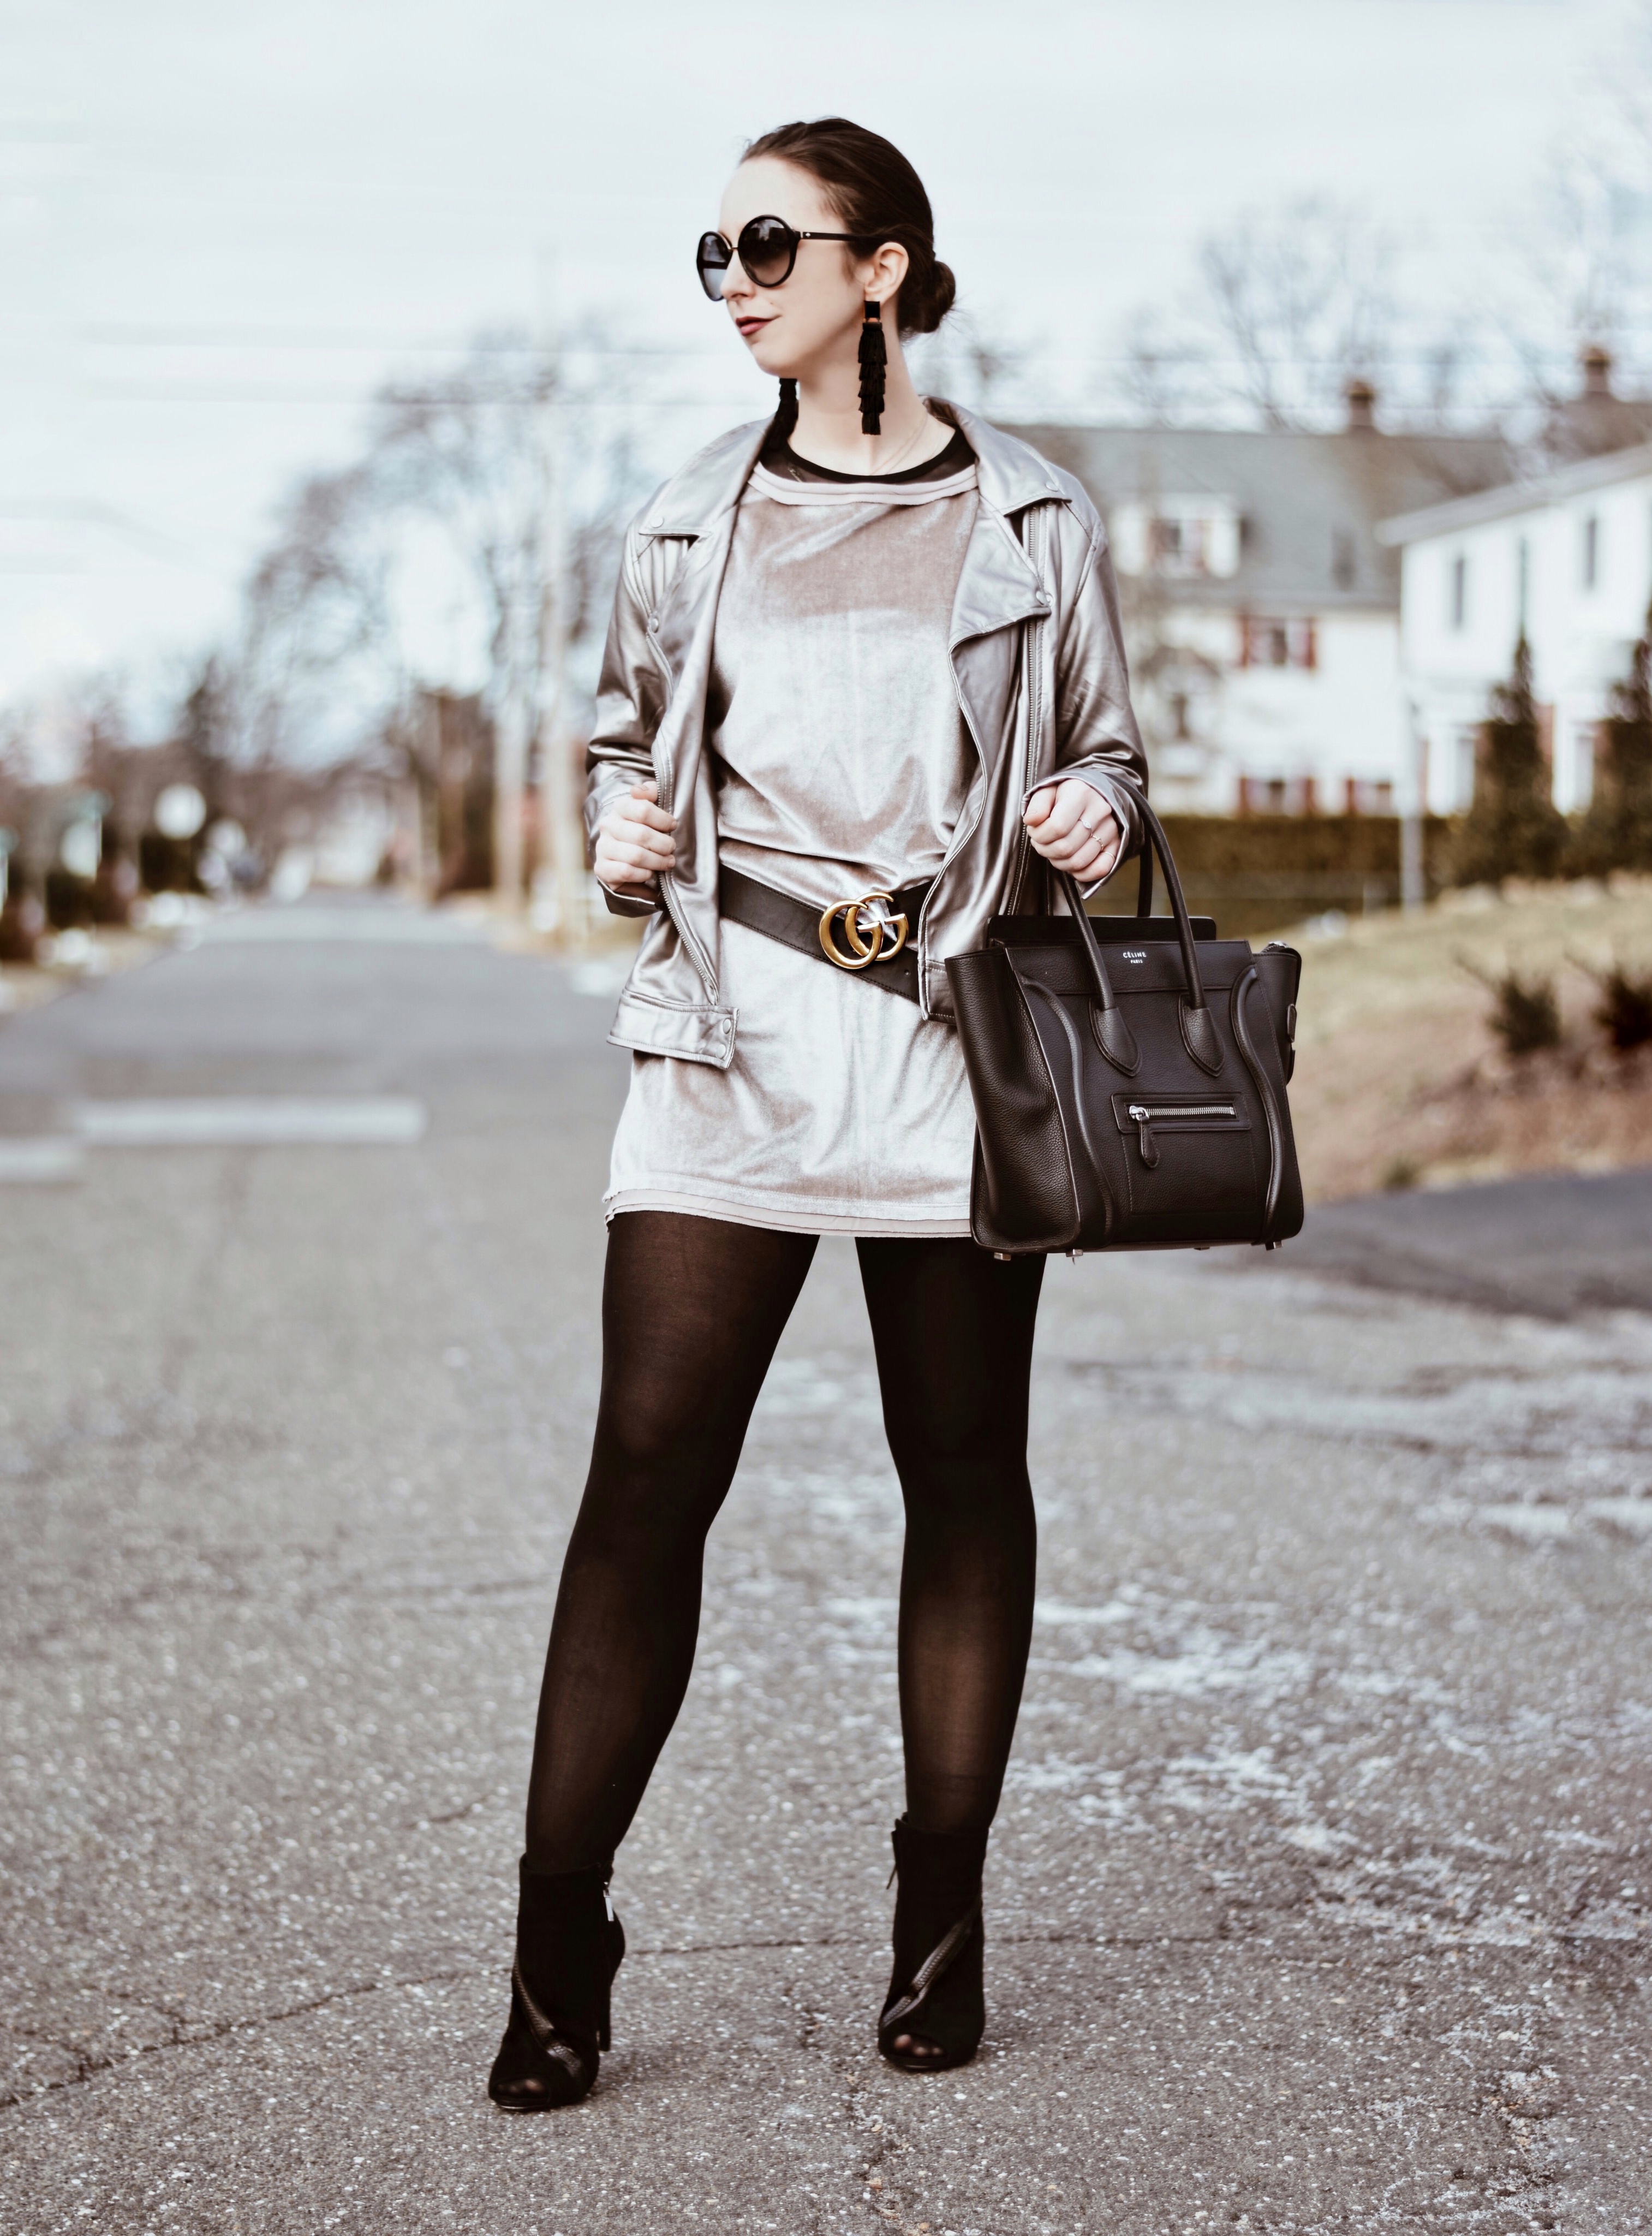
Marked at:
<point>938,297</point>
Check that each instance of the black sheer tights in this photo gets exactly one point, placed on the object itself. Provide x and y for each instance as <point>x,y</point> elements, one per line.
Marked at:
<point>692,1311</point>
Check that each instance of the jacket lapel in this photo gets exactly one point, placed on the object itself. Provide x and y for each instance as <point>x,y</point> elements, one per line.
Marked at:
<point>699,504</point>
<point>999,587</point>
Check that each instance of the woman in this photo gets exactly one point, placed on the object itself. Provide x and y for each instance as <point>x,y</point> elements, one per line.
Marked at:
<point>864,667</point>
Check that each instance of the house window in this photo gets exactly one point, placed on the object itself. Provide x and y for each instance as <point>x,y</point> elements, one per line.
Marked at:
<point>1188,544</point>
<point>1468,753</point>
<point>1178,546</point>
<point>1278,795</point>
<point>1176,536</point>
<point>1362,798</point>
<point>1522,583</point>
<point>1591,551</point>
<point>1460,590</point>
<point>1277,644</point>
<point>1582,767</point>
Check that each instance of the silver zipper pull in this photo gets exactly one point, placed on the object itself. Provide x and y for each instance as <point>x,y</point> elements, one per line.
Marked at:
<point>1145,1141</point>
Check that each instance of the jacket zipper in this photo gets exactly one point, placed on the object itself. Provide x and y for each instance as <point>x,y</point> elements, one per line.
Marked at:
<point>1143,1114</point>
<point>963,834</point>
<point>701,961</point>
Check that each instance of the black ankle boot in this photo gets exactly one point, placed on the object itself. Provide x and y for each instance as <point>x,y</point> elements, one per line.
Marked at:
<point>935,1995</point>
<point>568,1948</point>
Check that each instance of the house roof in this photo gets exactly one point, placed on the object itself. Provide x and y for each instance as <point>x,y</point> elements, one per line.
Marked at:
<point>1518,496</point>
<point>1309,504</point>
<point>1598,421</point>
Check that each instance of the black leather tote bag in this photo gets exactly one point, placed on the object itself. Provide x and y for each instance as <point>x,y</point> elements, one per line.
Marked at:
<point>1129,1079</point>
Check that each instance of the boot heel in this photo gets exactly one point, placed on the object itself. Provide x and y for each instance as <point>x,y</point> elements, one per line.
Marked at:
<point>568,1948</point>
<point>936,2013</point>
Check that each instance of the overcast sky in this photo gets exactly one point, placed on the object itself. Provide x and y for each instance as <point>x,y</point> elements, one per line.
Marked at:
<point>221,224</point>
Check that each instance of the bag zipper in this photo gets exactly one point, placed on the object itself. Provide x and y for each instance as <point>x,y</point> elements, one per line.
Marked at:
<point>1143,1114</point>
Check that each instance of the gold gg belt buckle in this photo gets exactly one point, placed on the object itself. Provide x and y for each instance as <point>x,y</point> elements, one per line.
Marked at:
<point>856,933</point>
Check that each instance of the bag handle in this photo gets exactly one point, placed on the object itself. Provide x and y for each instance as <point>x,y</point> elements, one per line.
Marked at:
<point>1199,1027</point>
<point>1117,1041</point>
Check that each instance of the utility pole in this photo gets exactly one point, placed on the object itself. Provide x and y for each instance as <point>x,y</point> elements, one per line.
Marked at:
<point>1413,883</point>
<point>512,736</point>
<point>510,795</point>
<point>560,817</point>
<point>517,718</point>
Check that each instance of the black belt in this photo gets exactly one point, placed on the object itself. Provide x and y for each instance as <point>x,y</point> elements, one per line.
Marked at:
<point>876,936</point>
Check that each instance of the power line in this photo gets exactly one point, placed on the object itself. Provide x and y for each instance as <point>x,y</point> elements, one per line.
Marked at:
<point>112,392</point>
<point>105,336</point>
<point>1189,355</point>
<point>159,540</point>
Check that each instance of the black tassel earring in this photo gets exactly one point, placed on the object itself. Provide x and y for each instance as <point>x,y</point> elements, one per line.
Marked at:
<point>786,418</point>
<point>875,358</point>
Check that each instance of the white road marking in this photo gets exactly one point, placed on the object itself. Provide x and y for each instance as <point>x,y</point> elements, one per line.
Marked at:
<point>251,1121</point>
<point>373,927</point>
<point>37,1163</point>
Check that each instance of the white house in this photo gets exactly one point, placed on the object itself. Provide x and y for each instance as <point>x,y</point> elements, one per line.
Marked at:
<point>1262,613</point>
<point>1567,559</point>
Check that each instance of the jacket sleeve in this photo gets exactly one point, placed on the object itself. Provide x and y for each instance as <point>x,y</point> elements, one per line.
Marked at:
<point>631,704</point>
<point>1096,736</point>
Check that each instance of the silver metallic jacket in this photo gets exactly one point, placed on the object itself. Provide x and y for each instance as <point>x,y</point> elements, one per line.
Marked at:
<point>1039,662</point>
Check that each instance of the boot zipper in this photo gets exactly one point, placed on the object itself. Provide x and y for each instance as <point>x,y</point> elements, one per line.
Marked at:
<point>1143,1113</point>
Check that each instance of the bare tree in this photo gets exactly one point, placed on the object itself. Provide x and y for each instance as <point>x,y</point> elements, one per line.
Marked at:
<point>971,363</point>
<point>1577,276</point>
<point>1289,306</point>
<point>317,608</point>
<point>467,452</point>
<point>1299,304</point>
<point>1165,378</point>
<point>1446,367</point>
<point>15,786</point>
<point>454,487</point>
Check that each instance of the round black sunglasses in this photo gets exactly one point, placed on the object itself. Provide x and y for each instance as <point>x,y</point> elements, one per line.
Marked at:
<point>767,247</point>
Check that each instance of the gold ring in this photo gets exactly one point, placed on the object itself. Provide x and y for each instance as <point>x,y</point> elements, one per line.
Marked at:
<point>898,925</point>
<point>829,943</point>
<point>880,925</point>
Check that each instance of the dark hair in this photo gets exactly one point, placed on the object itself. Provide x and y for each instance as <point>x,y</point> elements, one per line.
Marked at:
<point>879,197</point>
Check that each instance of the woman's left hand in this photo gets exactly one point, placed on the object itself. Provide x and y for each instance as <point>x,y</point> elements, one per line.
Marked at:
<point>1071,825</point>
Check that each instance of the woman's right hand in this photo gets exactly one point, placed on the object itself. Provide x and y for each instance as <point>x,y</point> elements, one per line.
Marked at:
<point>634,844</point>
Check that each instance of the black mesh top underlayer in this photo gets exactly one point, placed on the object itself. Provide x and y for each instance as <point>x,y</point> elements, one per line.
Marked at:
<point>780,458</point>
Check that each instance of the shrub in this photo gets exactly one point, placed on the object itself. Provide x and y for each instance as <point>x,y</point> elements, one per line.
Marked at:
<point>1624,1011</point>
<point>1513,828</point>
<point>1525,1013</point>
<point>168,865</point>
<point>1257,873</point>
<point>21,922</point>
<point>68,901</point>
<point>111,892</point>
<point>1616,832</point>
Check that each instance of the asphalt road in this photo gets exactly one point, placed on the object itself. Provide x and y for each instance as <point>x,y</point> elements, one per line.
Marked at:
<point>1320,1900</point>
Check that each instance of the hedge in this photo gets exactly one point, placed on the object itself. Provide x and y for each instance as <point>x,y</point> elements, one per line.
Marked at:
<point>1257,872</point>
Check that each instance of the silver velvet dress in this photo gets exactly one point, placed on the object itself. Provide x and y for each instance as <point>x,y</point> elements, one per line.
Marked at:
<point>842,762</point>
